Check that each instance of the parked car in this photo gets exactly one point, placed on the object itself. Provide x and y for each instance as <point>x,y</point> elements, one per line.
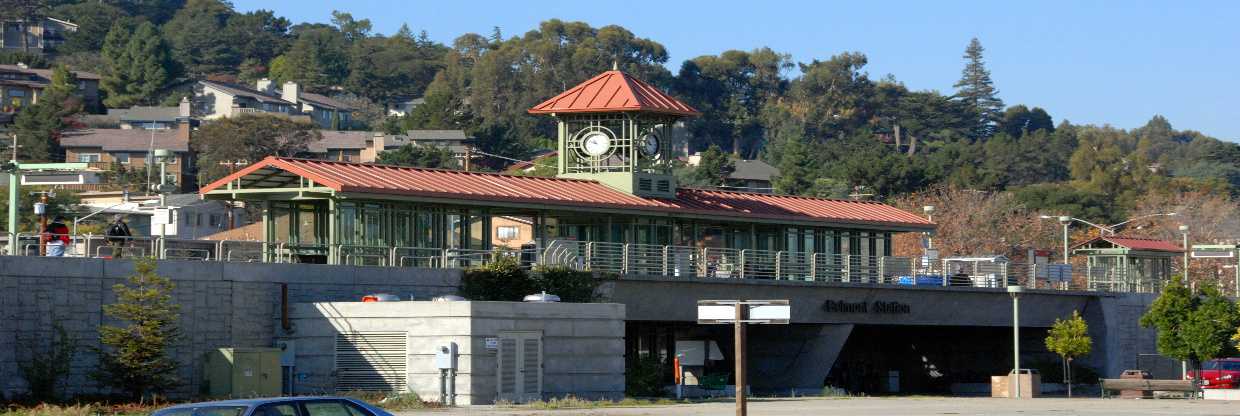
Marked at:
<point>1223,373</point>
<point>277,406</point>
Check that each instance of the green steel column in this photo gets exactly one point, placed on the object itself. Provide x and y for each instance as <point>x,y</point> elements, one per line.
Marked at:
<point>13,192</point>
<point>333,226</point>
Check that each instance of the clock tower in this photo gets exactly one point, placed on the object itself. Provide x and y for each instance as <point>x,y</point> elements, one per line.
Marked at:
<point>617,129</point>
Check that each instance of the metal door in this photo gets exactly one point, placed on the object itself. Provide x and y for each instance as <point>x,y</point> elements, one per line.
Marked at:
<point>519,378</point>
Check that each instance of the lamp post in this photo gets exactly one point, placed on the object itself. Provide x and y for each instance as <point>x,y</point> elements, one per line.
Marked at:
<point>929,210</point>
<point>1065,221</point>
<point>1015,291</point>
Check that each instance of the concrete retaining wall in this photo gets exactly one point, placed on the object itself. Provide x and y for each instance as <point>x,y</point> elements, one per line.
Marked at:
<point>583,344</point>
<point>222,305</point>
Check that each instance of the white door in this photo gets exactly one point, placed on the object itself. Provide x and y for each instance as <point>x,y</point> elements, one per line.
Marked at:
<point>520,366</point>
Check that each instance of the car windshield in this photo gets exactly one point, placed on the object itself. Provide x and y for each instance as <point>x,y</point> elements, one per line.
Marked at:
<point>1221,365</point>
<point>203,411</point>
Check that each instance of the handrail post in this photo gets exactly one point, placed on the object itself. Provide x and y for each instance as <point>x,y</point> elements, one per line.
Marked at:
<point>813,267</point>
<point>624,258</point>
<point>882,269</point>
<point>589,255</point>
<point>666,250</point>
<point>847,275</point>
<point>741,273</point>
<point>779,263</point>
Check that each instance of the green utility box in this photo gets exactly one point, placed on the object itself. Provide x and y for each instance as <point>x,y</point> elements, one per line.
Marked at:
<point>243,372</point>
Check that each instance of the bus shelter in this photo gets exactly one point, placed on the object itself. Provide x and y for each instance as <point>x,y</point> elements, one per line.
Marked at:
<point>1121,263</point>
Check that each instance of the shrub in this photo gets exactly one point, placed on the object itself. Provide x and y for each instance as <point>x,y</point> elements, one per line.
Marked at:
<point>500,280</point>
<point>49,364</point>
<point>570,285</point>
<point>643,377</point>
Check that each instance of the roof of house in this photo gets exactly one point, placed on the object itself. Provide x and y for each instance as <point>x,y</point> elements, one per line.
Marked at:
<point>420,135</point>
<point>753,170</point>
<point>242,91</point>
<point>168,114</point>
<point>569,193</point>
<point>46,74</point>
<point>114,140</point>
<point>1135,243</point>
<point>333,139</point>
<point>324,101</point>
<point>613,91</point>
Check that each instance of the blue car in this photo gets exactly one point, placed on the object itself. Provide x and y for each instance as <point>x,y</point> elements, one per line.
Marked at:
<point>277,406</point>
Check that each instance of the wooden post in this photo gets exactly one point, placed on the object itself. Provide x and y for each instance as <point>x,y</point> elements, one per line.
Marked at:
<point>42,224</point>
<point>741,405</point>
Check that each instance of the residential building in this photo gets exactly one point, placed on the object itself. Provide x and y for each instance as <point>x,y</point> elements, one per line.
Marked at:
<point>214,100</point>
<point>21,86</point>
<point>129,149</point>
<point>402,106</point>
<point>41,36</point>
<point>364,146</point>
<point>749,175</point>
<point>147,118</point>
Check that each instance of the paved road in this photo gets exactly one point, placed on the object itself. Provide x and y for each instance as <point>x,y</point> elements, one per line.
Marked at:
<point>902,407</point>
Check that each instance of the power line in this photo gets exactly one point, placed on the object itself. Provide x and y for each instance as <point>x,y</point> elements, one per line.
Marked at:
<point>513,159</point>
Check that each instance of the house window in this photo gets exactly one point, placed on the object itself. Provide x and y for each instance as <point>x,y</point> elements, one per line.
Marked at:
<point>87,157</point>
<point>507,232</point>
<point>122,158</point>
<point>215,220</point>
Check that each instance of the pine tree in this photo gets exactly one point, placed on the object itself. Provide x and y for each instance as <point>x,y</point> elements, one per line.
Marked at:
<point>139,70</point>
<point>796,169</point>
<point>38,127</point>
<point>977,91</point>
<point>134,357</point>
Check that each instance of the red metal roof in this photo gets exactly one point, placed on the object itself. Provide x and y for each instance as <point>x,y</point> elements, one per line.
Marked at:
<point>1137,243</point>
<point>474,186</point>
<point>614,91</point>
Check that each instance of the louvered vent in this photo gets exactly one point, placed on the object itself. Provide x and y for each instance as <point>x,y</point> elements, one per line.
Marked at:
<point>507,367</point>
<point>644,184</point>
<point>371,361</point>
<point>532,383</point>
<point>664,186</point>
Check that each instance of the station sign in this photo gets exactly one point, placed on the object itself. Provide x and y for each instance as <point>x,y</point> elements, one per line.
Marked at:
<point>1213,251</point>
<point>758,311</point>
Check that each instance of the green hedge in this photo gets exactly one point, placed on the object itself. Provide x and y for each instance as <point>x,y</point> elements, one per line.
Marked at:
<point>504,280</point>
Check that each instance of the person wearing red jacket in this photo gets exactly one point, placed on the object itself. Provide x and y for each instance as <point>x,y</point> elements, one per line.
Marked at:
<point>57,237</point>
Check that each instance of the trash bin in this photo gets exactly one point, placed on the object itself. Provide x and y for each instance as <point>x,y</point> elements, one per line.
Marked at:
<point>1136,394</point>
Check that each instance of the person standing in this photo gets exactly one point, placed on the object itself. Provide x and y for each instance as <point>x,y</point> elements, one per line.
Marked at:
<point>118,235</point>
<point>56,235</point>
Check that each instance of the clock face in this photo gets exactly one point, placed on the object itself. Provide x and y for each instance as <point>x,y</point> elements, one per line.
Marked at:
<point>650,145</point>
<point>596,143</point>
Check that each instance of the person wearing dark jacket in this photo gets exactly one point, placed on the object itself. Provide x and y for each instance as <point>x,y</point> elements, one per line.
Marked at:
<point>118,235</point>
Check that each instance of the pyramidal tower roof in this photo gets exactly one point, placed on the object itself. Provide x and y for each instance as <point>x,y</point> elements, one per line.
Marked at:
<point>614,91</point>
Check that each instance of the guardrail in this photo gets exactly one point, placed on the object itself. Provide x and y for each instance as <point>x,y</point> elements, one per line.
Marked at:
<point>618,259</point>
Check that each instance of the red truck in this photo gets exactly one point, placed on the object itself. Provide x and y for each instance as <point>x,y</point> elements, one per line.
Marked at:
<point>1223,373</point>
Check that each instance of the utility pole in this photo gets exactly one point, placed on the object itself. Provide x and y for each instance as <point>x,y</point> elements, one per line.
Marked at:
<point>739,329</point>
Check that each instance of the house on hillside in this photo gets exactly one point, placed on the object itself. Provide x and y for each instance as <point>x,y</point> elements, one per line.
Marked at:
<point>21,86</point>
<point>750,175</point>
<point>41,36</point>
<point>214,100</point>
<point>365,147</point>
<point>145,118</point>
<point>402,106</point>
<point>129,149</point>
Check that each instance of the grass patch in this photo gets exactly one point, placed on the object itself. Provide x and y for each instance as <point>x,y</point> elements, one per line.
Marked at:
<point>394,402</point>
<point>93,409</point>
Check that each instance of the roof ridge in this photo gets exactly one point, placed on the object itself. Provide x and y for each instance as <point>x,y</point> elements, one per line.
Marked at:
<point>810,198</point>
<point>384,165</point>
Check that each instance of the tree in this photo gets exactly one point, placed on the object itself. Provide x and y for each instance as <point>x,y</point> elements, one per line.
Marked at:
<point>318,60</point>
<point>258,36</point>
<point>976,89</point>
<point>731,90</point>
<point>713,168</point>
<point>420,156</point>
<point>94,20</point>
<point>38,127</point>
<point>199,39</point>
<point>134,357</point>
<point>1192,328</point>
<point>402,65</point>
<point>797,170</point>
<point>354,30</point>
<point>1070,339</point>
<point>137,74</point>
<point>250,137</point>
<point>1019,120</point>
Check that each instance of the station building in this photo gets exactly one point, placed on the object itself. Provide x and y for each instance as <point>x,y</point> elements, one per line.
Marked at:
<point>615,208</point>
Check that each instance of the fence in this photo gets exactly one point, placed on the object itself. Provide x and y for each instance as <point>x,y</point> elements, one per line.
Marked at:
<point>622,259</point>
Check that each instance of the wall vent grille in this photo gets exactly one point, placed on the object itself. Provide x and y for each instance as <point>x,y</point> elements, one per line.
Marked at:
<point>371,361</point>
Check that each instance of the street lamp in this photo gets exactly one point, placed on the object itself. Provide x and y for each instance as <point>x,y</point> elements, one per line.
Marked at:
<point>1015,291</point>
<point>929,210</point>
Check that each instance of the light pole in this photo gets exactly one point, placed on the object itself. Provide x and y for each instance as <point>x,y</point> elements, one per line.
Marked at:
<point>1065,221</point>
<point>1184,231</point>
<point>1015,291</point>
<point>929,210</point>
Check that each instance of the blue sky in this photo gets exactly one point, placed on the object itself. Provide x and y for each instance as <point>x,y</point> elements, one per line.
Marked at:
<point>1090,62</point>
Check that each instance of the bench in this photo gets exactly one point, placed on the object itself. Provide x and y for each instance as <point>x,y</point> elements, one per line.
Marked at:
<point>1110,384</point>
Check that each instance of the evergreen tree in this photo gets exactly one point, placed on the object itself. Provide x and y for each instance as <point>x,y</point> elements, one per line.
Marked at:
<point>796,169</point>
<point>134,357</point>
<point>38,127</point>
<point>141,71</point>
<point>713,168</point>
<point>200,42</point>
<point>420,156</point>
<point>977,91</point>
<point>318,60</point>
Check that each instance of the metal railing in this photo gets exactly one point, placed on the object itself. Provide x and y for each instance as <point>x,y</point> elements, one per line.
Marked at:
<point>678,262</point>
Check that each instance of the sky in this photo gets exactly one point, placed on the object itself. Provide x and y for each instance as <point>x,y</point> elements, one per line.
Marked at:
<point>1089,62</point>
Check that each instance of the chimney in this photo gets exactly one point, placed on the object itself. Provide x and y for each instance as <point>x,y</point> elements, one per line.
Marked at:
<point>183,118</point>
<point>290,92</point>
<point>263,85</point>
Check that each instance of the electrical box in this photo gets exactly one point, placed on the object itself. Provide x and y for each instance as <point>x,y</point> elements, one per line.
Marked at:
<point>243,372</point>
<point>445,356</point>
